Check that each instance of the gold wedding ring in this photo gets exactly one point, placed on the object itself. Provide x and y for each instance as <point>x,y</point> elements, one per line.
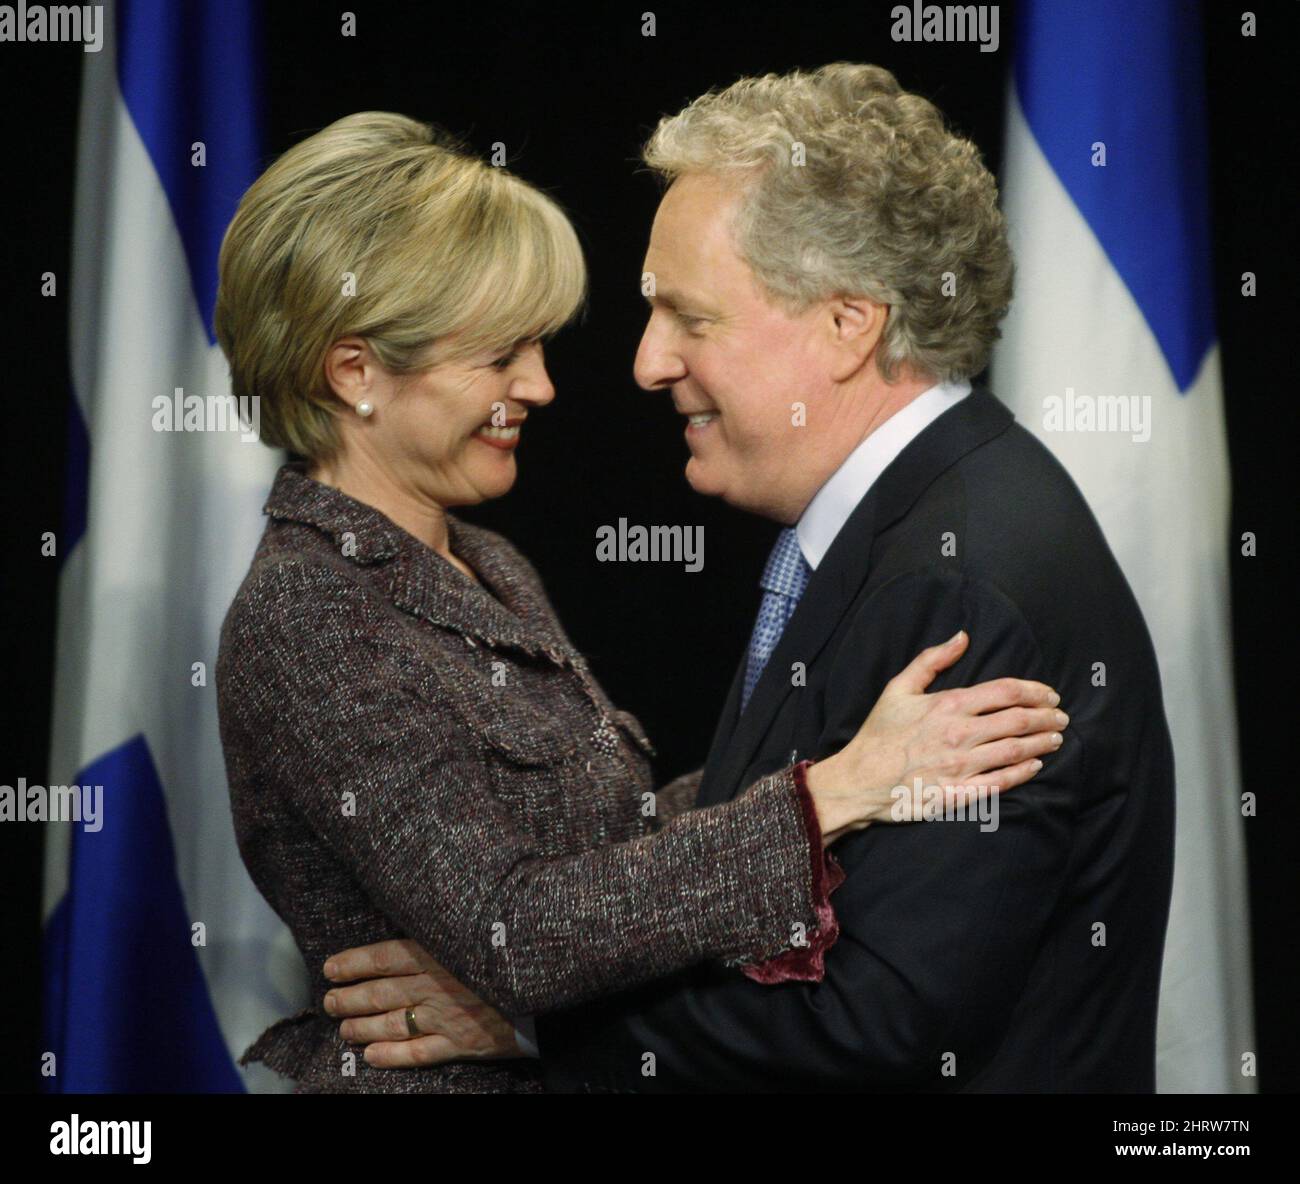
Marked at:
<point>411,1026</point>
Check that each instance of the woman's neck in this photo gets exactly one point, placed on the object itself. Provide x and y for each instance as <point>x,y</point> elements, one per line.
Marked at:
<point>373,485</point>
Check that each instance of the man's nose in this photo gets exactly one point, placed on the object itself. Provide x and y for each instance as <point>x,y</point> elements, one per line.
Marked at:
<point>657,364</point>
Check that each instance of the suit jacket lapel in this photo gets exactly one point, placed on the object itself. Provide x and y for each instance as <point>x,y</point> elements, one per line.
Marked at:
<point>712,790</point>
<point>505,611</point>
<point>514,613</point>
<point>839,578</point>
<point>829,594</point>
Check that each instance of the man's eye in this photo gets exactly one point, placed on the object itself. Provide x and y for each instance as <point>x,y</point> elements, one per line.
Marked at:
<point>688,322</point>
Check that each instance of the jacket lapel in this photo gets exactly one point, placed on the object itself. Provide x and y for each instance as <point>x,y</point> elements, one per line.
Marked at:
<point>829,594</point>
<point>711,790</point>
<point>839,578</point>
<point>507,610</point>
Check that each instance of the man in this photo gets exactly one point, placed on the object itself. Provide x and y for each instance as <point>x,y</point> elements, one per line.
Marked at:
<point>828,268</point>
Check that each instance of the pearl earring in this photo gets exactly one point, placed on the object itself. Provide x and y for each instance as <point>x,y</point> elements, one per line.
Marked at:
<point>365,408</point>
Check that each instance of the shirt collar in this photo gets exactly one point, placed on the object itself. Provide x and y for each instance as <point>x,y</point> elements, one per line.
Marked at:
<point>830,508</point>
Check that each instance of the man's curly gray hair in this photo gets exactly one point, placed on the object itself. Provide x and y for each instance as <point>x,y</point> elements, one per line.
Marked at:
<point>855,187</point>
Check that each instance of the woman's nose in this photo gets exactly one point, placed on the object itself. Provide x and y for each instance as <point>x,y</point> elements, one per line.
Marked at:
<point>534,383</point>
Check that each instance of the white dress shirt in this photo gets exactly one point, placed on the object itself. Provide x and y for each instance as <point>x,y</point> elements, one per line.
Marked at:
<point>830,508</point>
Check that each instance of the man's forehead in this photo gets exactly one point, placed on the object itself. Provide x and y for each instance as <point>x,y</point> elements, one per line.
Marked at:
<point>673,273</point>
<point>689,241</point>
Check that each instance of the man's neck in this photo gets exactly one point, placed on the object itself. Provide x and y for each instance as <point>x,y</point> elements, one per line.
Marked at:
<point>875,402</point>
<point>888,401</point>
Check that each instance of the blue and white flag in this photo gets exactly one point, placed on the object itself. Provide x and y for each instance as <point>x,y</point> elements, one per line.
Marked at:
<point>1110,356</point>
<point>162,962</point>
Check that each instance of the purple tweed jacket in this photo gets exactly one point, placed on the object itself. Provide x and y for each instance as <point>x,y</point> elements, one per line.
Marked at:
<point>411,753</point>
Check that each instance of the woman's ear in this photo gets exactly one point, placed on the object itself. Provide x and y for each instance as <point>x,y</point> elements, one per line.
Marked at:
<point>856,324</point>
<point>351,369</point>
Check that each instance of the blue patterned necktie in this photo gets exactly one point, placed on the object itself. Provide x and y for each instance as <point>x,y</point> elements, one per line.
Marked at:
<point>783,582</point>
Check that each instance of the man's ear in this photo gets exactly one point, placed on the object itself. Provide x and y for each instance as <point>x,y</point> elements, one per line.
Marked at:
<point>855,324</point>
<point>351,369</point>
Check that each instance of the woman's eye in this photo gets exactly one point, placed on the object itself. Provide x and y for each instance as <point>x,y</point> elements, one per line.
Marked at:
<point>506,362</point>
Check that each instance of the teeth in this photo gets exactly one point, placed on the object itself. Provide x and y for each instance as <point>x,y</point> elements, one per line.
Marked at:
<point>494,433</point>
<point>703,418</point>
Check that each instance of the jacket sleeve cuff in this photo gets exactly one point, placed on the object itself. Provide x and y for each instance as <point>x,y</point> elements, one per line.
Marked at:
<point>806,962</point>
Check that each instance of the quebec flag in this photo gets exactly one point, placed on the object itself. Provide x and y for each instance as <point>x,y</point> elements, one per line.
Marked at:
<point>161,961</point>
<point>1109,355</point>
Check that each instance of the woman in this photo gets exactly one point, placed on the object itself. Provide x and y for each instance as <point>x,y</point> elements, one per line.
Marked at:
<point>414,747</point>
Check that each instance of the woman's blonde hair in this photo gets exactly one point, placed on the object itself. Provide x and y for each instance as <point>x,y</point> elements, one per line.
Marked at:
<point>852,186</point>
<point>386,228</point>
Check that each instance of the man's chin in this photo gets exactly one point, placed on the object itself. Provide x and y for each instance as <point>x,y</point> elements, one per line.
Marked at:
<point>700,480</point>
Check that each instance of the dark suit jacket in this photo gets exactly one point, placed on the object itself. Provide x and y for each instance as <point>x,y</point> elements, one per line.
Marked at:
<point>1021,959</point>
<point>414,754</point>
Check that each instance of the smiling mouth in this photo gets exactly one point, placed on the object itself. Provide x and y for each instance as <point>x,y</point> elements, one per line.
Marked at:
<point>699,420</point>
<point>500,437</point>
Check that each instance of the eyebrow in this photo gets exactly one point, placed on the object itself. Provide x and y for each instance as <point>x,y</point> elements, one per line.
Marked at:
<point>674,299</point>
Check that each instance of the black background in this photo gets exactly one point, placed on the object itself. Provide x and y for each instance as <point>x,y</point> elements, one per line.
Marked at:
<point>572,93</point>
